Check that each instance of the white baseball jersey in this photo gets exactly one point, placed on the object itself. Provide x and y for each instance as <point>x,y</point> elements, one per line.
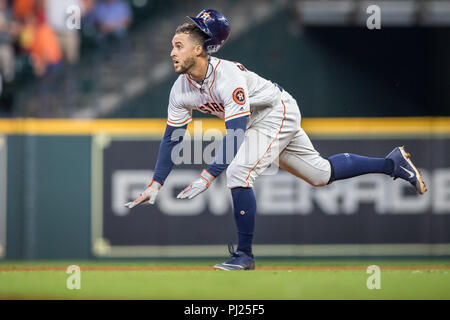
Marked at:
<point>229,91</point>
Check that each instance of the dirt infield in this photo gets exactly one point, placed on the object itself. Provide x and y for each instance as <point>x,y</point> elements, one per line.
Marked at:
<point>195,268</point>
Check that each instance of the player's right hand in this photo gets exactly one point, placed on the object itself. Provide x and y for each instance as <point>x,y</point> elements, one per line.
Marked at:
<point>198,186</point>
<point>148,195</point>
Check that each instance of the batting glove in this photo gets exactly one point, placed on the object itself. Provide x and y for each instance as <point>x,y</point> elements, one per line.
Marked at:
<point>149,194</point>
<point>198,186</point>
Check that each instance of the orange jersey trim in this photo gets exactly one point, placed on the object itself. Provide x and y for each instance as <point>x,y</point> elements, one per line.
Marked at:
<point>189,80</point>
<point>214,74</point>
<point>214,79</point>
<point>237,114</point>
<point>179,123</point>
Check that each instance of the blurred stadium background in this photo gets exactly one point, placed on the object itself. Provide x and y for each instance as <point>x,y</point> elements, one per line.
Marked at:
<point>82,112</point>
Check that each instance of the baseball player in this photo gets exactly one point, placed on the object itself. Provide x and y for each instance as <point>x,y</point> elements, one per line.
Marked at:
<point>270,121</point>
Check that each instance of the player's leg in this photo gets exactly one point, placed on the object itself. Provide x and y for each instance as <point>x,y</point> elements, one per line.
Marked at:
<point>302,160</point>
<point>348,165</point>
<point>244,209</point>
<point>260,148</point>
<point>396,164</point>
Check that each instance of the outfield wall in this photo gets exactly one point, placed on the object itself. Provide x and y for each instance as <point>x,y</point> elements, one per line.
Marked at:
<point>64,182</point>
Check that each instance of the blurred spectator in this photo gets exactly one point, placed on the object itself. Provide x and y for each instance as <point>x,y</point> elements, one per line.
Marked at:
<point>26,34</point>
<point>45,50</point>
<point>57,15</point>
<point>113,18</point>
<point>23,9</point>
<point>88,6</point>
<point>8,29</point>
<point>88,18</point>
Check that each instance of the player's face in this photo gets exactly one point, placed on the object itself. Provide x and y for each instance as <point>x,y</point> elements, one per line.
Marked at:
<point>183,55</point>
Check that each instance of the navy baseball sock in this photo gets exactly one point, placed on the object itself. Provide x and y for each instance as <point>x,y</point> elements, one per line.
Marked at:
<point>347,165</point>
<point>244,204</point>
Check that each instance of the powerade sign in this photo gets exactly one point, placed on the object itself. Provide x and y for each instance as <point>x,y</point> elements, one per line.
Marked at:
<point>370,209</point>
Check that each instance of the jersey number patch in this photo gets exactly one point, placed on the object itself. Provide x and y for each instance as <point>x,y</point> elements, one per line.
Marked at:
<point>239,96</point>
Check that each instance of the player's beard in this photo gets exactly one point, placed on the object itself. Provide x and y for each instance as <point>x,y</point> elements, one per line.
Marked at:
<point>186,65</point>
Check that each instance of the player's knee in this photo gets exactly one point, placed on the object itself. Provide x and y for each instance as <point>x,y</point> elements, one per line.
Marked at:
<point>319,182</point>
<point>235,178</point>
<point>322,177</point>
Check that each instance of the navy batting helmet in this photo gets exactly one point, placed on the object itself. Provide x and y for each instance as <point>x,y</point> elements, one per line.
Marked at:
<point>215,25</point>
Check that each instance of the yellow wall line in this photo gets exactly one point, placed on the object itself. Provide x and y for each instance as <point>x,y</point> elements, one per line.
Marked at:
<point>314,126</point>
<point>369,126</point>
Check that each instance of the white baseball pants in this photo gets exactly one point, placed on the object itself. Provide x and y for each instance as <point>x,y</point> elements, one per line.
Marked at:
<point>278,137</point>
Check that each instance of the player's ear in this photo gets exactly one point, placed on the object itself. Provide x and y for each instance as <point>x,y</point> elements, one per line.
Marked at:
<point>198,49</point>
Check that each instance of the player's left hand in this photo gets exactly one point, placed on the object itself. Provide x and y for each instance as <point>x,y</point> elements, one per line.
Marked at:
<point>148,195</point>
<point>198,186</point>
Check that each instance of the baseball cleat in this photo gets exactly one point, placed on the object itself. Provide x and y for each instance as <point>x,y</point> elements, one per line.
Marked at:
<point>405,169</point>
<point>238,261</point>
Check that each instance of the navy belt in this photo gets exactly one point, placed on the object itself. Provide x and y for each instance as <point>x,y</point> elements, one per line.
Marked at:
<point>278,86</point>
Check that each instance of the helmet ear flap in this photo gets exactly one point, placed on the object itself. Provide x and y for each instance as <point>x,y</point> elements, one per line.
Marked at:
<point>210,47</point>
<point>215,25</point>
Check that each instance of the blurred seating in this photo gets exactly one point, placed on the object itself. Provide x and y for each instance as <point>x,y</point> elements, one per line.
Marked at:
<point>68,38</point>
<point>113,18</point>
<point>120,52</point>
<point>8,30</point>
<point>112,67</point>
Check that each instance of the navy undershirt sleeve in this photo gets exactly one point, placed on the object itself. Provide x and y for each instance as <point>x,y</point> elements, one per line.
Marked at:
<point>230,145</point>
<point>164,164</point>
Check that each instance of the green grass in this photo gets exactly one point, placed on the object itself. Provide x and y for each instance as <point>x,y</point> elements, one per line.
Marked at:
<point>258,284</point>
